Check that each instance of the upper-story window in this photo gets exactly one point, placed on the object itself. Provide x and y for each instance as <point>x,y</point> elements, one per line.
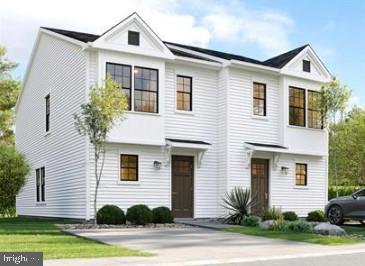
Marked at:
<point>121,74</point>
<point>297,107</point>
<point>184,93</point>
<point>133,38</point>
<point>259,99</point>
<point>48,112</point>
<point>314,110</point>
<point>306,66</point>
<point>145,90</point>
<point>40,184</point>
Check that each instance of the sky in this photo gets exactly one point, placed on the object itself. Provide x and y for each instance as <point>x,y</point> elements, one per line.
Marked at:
<point>258,29</point>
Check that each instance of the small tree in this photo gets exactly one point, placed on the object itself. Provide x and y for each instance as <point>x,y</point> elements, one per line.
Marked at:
<point>106,106</point>
<point>9,90</point>
<point>13,171</point>
<point>333,102</point>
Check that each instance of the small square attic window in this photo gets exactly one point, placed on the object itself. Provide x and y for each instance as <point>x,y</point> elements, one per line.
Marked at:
<point>306,66</point>
<point>133,38</point>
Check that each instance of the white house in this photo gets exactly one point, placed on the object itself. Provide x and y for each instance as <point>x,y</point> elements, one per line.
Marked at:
<point>200,122</point>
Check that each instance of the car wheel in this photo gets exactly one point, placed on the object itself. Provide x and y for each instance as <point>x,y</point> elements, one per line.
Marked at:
<point>335,215</point>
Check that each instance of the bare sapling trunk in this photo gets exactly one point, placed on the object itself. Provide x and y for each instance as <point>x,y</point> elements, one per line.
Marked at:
<point>97,152</point>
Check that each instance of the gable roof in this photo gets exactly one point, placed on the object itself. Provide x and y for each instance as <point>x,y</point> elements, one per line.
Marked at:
<point>278,61</point>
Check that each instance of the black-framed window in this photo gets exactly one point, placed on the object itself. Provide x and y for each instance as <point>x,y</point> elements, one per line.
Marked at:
<point>306,66</point>
<point>184,99</point>
<point>314,110</point>
<point>259,99</point>
<point>121,74</point>
<point>145,90</point>
<point>301,174</point>
<point>296,106</point>
<point>133,38</point>
<point>41,184</point>
<point>128,167</point>
<point>48,111</point>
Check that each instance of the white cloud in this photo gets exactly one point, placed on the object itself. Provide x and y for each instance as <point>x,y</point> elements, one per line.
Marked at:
<point>20,20</point>
<point>267,29</point>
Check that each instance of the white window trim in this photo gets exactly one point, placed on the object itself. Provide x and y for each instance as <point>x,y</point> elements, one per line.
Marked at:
<point>125,182</point>
<point>304,187</point>
<point>183,112</point>
<point>40,203</point>
<point>266,82</point>
<point>47,133</point>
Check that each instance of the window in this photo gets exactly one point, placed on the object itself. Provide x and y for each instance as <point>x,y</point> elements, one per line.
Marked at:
<point>133,38</point>
<point>360,193</point>
<point>48,112</point>
<point>297,107</point>
<point>184,93</point>
<point>314,110</point>
<point>145,90</point>
<point>306,66</point>
<point>128,167</point>
<point>40,184</point>
<point>121,74</point>
<point>301,174</point>
<point>259,99</point>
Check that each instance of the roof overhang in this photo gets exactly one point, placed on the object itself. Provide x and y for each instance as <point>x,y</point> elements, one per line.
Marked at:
<point>188,144</point>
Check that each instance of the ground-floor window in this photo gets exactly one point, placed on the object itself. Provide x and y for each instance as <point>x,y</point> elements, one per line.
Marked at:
<point>40,184</point>
<point>128,167</point>
<point>301,174</point>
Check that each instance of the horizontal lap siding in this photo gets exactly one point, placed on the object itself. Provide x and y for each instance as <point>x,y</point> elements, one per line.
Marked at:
<point>58,68</point>
<point>286,196</point>
<point>202,125</point>
<point>153,188</point>
<point>243,127</point>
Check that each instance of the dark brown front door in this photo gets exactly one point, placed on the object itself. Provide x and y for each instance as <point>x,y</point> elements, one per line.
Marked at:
<point>182,186</point>
<point>260,184</point>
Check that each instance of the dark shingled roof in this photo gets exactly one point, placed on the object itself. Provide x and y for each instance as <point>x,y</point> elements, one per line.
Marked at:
<point>266,145</point>
<point>189,141</point>
<point>282,59</point>
<point>276,62</point>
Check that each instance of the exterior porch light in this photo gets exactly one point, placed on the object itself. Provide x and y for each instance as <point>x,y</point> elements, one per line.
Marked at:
<point>284,170</point>
<point>157,165</point>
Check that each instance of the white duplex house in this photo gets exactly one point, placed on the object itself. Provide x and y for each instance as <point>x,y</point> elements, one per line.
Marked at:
<point>200,122</point>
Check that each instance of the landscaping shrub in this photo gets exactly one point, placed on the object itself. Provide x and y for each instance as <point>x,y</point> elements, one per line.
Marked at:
<point>162,215</point>
<point>316,216</point>
<point>110,214</point>
<point>139,214</point>
<point>290,216</point>
<point>298,226</point>
<point>238,202</point>
<point>251,221</point>
<point>272,214</point>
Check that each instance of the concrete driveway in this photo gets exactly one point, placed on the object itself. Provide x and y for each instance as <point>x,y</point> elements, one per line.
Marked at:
<point>198,246</point>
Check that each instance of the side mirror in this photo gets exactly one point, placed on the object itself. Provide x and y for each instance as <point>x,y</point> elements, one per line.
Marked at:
<point>354,196</point>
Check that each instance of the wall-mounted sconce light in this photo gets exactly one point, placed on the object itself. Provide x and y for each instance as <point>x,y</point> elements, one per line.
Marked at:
<point>284,170</point>
<point>157,165</point>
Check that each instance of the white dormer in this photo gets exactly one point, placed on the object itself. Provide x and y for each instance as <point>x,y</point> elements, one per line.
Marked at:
<point>133,35</point>
<point>307,65</point>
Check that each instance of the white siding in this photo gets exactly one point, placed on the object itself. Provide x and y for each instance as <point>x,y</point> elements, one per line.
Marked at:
<point>59,68</point>
<point>243,127</point>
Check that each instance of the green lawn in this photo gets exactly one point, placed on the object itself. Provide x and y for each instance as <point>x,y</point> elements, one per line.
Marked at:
<point>293,236</point>
<point>355,230</point>
<point>21,234</point>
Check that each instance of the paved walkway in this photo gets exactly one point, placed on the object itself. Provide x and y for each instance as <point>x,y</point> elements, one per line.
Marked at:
<point>197,246</point>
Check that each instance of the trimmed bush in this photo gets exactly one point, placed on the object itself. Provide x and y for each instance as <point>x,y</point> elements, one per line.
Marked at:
<point>139,214</point>
<point>272,214</point>
<point>316,216</point>
<point>251,221</point>
<point>162,215</point>
<point>298,226</point>
<point>290,216</point>
<point>110,214</point>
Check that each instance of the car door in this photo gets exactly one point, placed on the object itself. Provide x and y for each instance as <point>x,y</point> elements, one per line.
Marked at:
<point>358,205</point>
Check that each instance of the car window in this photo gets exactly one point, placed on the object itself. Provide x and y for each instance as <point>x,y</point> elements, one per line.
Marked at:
<point>361,193</point>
